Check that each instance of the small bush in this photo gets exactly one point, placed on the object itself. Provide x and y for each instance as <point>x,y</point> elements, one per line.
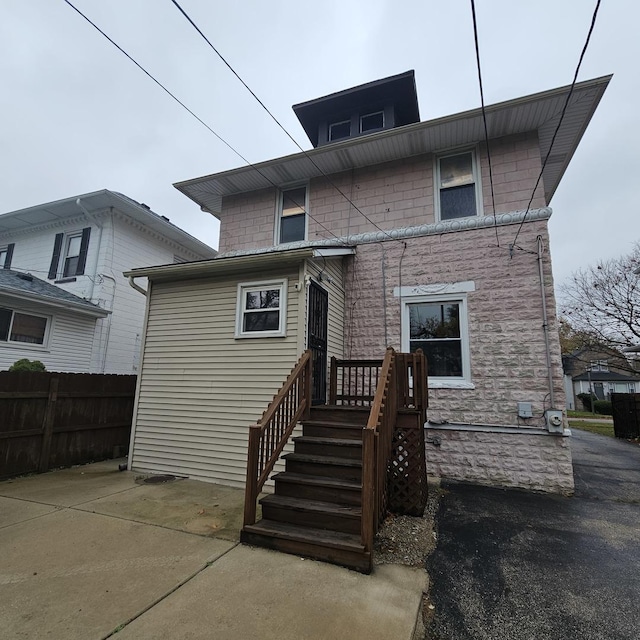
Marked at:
<point>27,365</point>
<point>587,398</point>
<point>603,407</point>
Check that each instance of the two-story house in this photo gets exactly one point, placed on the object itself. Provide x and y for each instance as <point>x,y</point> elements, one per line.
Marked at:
<point>391,221</point>
<point>63,298</point>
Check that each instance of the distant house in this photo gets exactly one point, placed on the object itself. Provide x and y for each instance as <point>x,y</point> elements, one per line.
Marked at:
<point>63,299</point>
<point>383,234</point>
<point>601,371</point>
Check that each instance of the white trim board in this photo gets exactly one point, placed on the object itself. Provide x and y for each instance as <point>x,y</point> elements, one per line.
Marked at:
<point>434,289</point>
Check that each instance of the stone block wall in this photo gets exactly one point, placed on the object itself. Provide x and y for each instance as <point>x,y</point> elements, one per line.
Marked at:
<point>506,338</point>
<point>536,461</point>
<point>392,195</point>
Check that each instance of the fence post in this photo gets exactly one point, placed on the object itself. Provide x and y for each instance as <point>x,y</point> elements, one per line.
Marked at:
<point>47,424</point>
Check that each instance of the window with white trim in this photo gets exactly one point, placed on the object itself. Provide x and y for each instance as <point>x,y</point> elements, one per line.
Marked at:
<point>22,327</point>
<point>71,255</point>
<point>599,365</point>
<point>292,215</point>
<point>438,326</point>
<point>457,186</point>
<point>372,122</point>
<point>261,309</point>
<point>339,130</point>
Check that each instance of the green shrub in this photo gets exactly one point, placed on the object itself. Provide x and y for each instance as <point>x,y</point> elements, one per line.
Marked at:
<point>603,407</point>
<point>587,398</point>
<point>27,365</point>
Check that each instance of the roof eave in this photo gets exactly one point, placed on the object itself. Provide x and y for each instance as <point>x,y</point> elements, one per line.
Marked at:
<point>82,309</point>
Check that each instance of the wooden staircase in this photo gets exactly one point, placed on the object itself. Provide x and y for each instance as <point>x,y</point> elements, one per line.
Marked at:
<point>315,510</point>
<point>333,494</point>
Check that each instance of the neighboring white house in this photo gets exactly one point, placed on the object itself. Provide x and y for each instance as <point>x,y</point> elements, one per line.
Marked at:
<point>81,246</point>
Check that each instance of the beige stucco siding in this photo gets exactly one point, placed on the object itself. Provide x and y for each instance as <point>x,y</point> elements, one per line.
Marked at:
<point>200,387</point>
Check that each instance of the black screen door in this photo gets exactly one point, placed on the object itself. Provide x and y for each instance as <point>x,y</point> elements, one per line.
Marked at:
<point>317,341</point>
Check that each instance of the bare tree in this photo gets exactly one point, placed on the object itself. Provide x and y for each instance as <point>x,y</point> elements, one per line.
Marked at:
<point>603,301</point>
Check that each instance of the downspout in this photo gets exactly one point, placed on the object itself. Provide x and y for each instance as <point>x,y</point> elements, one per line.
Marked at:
<point>545,324</point>
<point>137,287</point>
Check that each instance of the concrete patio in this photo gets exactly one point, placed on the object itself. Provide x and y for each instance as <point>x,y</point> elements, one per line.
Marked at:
<point>90,552</point>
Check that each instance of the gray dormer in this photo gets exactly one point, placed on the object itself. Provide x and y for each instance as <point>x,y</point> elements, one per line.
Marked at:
<point>376,106</point>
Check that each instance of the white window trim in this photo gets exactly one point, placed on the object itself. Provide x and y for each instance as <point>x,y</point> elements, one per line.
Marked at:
<point>372,113</point>
<point>440,382</point>
<point>475,166</point>
<point>65,253</point>
<point>335,124</point>
<point>281,190</point>
<point>244,287</point>
<point>13,344</point>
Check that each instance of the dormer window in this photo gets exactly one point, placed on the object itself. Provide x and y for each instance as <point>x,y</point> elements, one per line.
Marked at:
<point>599,365</point>
<point>292,215</point>
<point>339,130</point>
<point>372,122</point>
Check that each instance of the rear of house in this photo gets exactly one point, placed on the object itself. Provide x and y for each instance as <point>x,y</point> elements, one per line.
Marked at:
<point>393,222</point>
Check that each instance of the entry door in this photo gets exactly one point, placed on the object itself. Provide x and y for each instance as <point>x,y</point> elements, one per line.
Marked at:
<point>317,341</point>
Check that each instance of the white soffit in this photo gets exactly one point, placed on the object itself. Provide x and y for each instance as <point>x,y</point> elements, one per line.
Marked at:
<point>539,112</point>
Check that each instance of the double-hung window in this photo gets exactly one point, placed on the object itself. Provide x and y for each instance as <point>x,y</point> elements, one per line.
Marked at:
<point>438,326</point>
<point>261,309</point>
<point>292,218</point>
<point>69,257</point>
<point>22,327</point>
<point>457,192</point>
<point>6,254</point>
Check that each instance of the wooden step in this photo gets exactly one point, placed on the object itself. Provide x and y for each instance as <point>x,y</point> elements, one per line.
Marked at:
<point>300,485</point>
<point>331,467</point>
<point>343,549</point>
<point>326,429</point>
<point>333,447</point>
<point>337,413</point>
<point>312,513</point>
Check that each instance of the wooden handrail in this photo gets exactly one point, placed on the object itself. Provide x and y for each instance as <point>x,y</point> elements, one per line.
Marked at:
<point>269,436</point>
<point>357,383</point>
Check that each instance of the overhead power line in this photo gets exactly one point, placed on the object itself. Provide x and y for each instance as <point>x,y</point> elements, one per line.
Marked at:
<point>310,158</point>
<point>200,120</point>
<point>484,118</point>
<point>555,133</point>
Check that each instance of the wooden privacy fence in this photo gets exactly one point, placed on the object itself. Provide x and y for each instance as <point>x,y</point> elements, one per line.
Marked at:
<point>50,420</point>
<point>626,414</point>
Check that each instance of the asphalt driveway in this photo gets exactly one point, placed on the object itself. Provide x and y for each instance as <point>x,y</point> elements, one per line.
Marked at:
<point>511,565</point>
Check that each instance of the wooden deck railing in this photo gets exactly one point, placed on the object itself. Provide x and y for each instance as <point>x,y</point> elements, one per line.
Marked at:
<point>353,383</point>
<point>376,447</point>
<point>269,436</point>
<point>411,379</point>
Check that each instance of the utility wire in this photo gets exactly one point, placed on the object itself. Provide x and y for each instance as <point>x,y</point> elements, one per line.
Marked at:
<point>202,122</point>
<point>555,133</point>
<point>484,118</point>
<point>313,162</point>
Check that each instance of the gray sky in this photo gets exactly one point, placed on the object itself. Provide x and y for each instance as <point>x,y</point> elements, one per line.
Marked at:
<point>77,116</point>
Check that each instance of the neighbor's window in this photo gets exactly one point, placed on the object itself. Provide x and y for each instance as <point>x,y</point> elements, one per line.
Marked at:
<point>372,122</point>
<point>292,225</point>
<point>339,130</point>
<point>71,256</point>
<point>261,309</point>
<point>599,365</point>
<point>457,186</point>
<point>439,328</point>
<point>22,327</point>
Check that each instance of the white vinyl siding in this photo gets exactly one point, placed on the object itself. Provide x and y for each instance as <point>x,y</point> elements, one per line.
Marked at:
<point>200,388</point>
<point>68,347</point>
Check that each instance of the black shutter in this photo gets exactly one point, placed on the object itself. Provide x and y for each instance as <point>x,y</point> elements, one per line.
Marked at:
<point>55,258</point>
<point>7,260</point>
<point>84,247</point>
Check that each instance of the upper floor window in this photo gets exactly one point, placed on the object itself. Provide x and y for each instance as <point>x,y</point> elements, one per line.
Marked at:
<point>6,254</point>
<point>261,309</point>
<point>339,130</point>
<point>22,327</point>
<point>457,186</point>
<point>372,122</point>
<point>69,254</point>
<point>292,218</point>
<point>599,365</point>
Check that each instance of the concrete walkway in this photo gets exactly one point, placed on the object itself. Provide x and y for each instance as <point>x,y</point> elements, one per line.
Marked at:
<point>90,552</point>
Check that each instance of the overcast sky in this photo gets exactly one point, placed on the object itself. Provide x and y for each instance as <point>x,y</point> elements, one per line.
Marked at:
<point>77,116</point>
